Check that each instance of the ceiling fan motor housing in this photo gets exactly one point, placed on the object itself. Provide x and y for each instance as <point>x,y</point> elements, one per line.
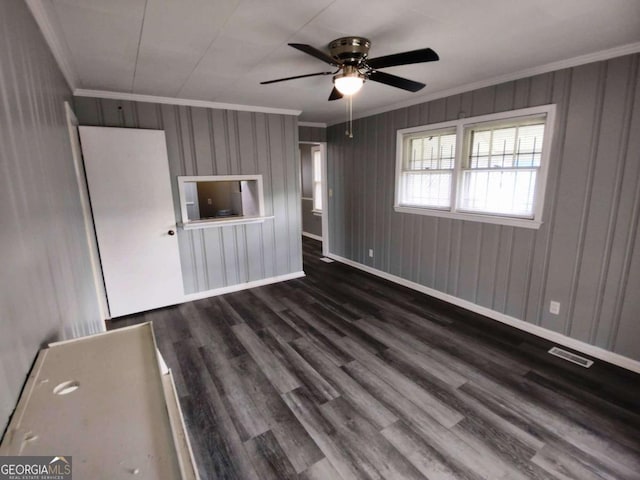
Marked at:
<point>350,50</point>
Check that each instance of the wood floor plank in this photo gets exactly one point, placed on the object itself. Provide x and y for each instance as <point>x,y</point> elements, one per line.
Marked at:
<point>346,328</point>
<point>238,402</point>
<point>442,413</point>
<point>284,328</point>
<point>305,312</point>
<point>363,401</point>
<point>457,453</point>
<point>218,449</point>
<point>416,355</point>
<point>229,314</point>
<point>550,424</point>
<point>252,310</point>
<point>324,435</point>
<point>269,296</point>
<point>273,369</point>
<point>322,470</point>
<point>514,442</point>
<point>380,296</point>
<point>316,337</point>
<point>317,386</point>
<point>383,460</point>
<point>428,461</point>
<point>334,299</point>
<point>294,440</point>
<point>269,459</point>
<point>565,467</point>
<point>208,328</point>
<point>469,349</point>
<point>609,420</point>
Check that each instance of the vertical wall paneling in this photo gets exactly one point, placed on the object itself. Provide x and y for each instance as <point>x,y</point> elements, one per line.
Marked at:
<point>623,214</point>
<point>580,261</point>
<point>312,134</point>
<point>202,141</point>
<point>585,255</point>
<point>562,81</point>
<point>47,290</point>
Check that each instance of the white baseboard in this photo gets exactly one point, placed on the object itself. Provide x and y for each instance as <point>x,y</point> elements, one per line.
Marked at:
<point>241,286</point>
<point>586,348</point>
<point>311,235</point>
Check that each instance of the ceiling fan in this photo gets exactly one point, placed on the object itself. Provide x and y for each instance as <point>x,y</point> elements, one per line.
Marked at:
<point>350,55</point>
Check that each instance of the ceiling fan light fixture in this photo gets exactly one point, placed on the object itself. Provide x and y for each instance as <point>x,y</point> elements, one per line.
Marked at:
<point>348,82</point>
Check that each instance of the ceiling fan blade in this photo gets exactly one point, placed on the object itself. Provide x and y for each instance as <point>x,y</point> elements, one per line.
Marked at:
<point>314,52</point>
<point>297,76</point>
<point>404,58</point>
<point>395,81</point>
<point>335,94</point>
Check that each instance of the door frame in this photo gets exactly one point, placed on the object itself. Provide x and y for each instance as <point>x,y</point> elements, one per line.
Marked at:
<point>85,203</point>
<point>325,193</point>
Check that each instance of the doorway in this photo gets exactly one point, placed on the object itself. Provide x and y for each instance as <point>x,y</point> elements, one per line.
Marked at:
<point>314,198</point>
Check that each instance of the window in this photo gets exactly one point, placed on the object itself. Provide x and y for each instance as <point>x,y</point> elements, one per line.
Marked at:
<point>428,168</point>
<point>208,201</point>
<point>489,169</point>
<point>316,159</point>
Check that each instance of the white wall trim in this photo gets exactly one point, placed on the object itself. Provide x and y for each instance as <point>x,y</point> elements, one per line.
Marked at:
<point>596,352</point>
<point>137,97</point>
<point>312,124</point>
<point>311,235</point>
<point>242,286</point>
<point>508,77</point>
<point>47,19</point>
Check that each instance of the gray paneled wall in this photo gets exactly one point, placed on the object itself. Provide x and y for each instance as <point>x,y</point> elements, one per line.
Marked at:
<point>586,255</point>
<point>46,284</point>
<point>312,134</point>
<point>311,223</point>
<point>204,141</point>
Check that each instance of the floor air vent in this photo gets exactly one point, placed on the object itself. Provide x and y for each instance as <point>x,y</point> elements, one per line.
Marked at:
<point>571,357</point>
<point>326,260</point>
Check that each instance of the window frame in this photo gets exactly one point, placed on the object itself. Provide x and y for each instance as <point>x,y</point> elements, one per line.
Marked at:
<point>187,224</point>
<point>406,151</point>
<point>463,127</point>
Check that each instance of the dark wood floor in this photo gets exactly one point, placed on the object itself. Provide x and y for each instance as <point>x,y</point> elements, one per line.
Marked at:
<point>342,375</point>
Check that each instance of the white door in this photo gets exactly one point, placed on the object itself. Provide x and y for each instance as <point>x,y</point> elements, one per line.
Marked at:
<point>130,190</point>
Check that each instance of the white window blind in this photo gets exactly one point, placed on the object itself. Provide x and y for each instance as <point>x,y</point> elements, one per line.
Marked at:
<point>317,178</point>
<point>428,169</point>
<point>501,168</point>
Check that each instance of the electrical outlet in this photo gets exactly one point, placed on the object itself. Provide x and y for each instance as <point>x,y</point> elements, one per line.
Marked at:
<point>554,307</point>
<point>209,201</point>
<point>331,192</point>
<point>371,252</point>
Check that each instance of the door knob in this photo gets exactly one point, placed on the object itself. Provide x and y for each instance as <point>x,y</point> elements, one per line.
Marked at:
<point>171,232</point>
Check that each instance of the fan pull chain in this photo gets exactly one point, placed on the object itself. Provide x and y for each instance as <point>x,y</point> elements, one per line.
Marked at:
<point>349,106</point>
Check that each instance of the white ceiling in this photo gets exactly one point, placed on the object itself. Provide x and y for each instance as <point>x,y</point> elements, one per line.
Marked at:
<point>219,50</point>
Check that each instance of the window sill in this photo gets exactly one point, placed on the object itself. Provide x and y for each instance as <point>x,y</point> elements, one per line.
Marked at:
<point>472,217</point>
<point>222,222</point>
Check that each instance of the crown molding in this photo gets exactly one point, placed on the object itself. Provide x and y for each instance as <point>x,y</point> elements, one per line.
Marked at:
<point>529,72</point>
<point>137,97</point>
<point>47,20</point>
<point>312,124</point>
